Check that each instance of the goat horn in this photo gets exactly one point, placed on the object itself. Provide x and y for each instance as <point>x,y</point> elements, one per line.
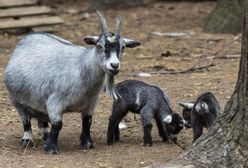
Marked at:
<point>103,23</point>
<point>186,105</point>
<point>118,26</point>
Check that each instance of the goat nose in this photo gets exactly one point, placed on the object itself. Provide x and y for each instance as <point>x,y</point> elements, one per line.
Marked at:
<point>114,65</point>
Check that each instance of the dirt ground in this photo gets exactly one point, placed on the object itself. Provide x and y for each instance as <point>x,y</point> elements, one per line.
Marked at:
<point>138,23</point>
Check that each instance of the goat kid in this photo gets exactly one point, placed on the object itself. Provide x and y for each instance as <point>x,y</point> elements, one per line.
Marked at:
<point>47,76</point>
<point>148,101</point>
<point>202,113</point>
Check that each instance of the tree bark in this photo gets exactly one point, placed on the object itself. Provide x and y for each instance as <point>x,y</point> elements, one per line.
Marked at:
<point>225,18</point>
<point>225,144</point>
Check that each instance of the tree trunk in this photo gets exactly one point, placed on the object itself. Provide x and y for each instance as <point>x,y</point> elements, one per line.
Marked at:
<point>226,143</point>
<point>225,18</point>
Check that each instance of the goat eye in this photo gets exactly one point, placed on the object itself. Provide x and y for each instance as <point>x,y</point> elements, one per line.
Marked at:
<point>99,47</point>
<point>122,49</point>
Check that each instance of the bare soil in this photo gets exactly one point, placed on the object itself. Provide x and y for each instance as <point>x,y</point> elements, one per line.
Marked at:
<point>138,23</point>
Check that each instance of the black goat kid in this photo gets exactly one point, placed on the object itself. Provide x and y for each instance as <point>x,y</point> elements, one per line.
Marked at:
<point>202,113</point>
<point>148,101</point>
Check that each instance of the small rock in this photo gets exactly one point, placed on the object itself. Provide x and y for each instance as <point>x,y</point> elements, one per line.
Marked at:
<point>85,16</point>
<point>144,74</point>
<point>72,11</point>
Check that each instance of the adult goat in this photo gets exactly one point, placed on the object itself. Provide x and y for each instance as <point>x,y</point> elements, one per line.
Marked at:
<point>47,76</point>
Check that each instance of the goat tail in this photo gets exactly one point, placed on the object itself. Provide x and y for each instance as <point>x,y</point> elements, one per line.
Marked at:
<point>110,87</point>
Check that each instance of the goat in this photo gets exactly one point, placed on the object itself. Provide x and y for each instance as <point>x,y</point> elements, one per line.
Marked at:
<point>202,113</point>
<point>47,76</point>
<point>148,101</point>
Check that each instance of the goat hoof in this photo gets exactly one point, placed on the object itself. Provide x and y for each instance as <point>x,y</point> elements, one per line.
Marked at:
<point>86,142</point>
<point>51,148</point>
<point>110,142</point>
<point>27,142</point>
<point>87,145</point>
<point>146,144</point>
<point>117,139</point>
<point>165,139</point>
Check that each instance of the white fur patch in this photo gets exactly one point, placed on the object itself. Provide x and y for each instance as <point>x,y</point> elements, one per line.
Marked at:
<point>113,60</point>
<point>137,101</point>
<point>167,119</point>
<point>127,40</point>
<point>199,107</point>
<point>28,135</point>
<point>122,125</point>
<point>185,122</point>
<point>111,39</point>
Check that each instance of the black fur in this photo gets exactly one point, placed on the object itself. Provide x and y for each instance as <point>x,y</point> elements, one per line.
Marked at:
<point>112,47</point>
<point>175,127</point>
<point>187,117</point>
<point>51,145</point>
<point>86,140</point>
<point>148,101</point>
<point>198,119</point>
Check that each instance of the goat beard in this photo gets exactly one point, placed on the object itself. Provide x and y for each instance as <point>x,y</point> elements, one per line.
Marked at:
<point>110,87</point>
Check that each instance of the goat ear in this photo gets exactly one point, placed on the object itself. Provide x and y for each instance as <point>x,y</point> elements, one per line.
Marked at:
<point>167,119</point>
<point>131,43</point>
<point>184,122</point>
<point>202,106</point>
<point>91,39</point>
<point>186,105</point>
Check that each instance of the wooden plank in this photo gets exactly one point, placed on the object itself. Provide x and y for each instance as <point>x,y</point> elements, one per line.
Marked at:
<point>24,11</point>
<point>30,22</point>
<point>12,3</point>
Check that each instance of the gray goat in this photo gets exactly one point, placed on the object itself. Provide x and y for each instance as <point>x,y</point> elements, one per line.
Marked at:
<point>148,101</point>
<point>47,76</point>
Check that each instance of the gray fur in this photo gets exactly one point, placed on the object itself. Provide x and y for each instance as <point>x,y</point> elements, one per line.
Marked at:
<point>52,76</point>
<point>111,90</point>
<point>47,76</point>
